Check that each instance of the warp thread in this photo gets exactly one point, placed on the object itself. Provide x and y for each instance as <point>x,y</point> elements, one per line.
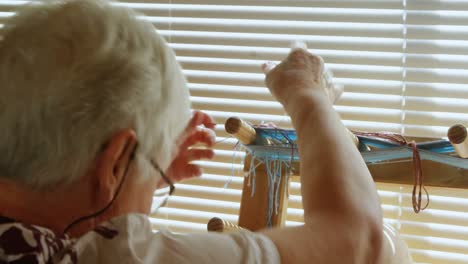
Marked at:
<point>277,165</point>
<point>237,148</point>
<point>252,175</point>
<point>275,171</point>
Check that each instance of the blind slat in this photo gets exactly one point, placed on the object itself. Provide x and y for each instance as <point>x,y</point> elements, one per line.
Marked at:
<point>455,5</point>
<point>384,4</point>
<point>434,104</point>
<point>257,80</point>
<point>437,61</point>
<point>267,12</point>
<point>437,32</point>
<point>262,94</point>
<point>437,17</point>
<point>447,90</point>
<point>437,244</point>
<point>277,54</point>
<point>437,257</point>
<point>284,40</point>
<point>437,75</point>
<point>423,46</point>
<point>274,26</point>
<point>262,107</point>
<point>252,66</point>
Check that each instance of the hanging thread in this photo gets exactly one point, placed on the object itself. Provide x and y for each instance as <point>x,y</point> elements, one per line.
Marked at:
<point>418,185</point>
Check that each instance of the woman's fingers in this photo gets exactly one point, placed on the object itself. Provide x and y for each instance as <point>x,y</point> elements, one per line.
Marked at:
<point>198,119</point>
<point>268,66</point>
<point>199,135</point>
<point>191,170</point>
<point>200,129</point>
<point>195,170</point>
<point>199,154</point>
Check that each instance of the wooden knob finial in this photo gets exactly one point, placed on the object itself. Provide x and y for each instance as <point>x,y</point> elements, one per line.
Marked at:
<point>457,135</point>
<point>219,225</point>
<point>241,130</point>
<point>233,125</point>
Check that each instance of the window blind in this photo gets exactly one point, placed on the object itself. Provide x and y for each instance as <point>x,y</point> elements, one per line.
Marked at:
<point>403,63</point>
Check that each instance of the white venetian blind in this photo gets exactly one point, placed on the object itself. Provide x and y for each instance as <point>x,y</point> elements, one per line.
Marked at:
<point>436,72</point>
<point>404,66</point>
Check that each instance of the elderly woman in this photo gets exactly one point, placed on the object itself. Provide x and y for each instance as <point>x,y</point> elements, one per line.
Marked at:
<point>95,117</point>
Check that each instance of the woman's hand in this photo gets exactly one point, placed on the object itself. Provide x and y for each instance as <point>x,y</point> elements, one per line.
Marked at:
<point>200,130</point>
<point>300,73</point>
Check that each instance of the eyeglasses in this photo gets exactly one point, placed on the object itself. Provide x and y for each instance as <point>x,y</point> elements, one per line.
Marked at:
<point>161,195</point>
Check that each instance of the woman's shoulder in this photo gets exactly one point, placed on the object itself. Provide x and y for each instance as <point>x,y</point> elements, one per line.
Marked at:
<point>132,237</point>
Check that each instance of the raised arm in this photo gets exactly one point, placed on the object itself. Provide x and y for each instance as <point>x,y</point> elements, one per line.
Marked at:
<point>343,221</point>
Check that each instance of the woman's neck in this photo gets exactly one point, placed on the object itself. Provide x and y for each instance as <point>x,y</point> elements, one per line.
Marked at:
<point>54,209</point>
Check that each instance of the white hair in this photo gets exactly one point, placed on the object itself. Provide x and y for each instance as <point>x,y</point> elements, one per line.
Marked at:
<point>73,73</point>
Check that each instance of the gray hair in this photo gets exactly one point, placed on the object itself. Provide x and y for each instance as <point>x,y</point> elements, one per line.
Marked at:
<point>73,73</point>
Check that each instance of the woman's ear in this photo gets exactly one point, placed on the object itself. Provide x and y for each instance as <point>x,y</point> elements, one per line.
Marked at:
<point>112,164</point>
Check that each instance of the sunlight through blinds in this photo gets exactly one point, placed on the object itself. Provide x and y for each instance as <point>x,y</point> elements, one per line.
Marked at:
<point>404,66</point>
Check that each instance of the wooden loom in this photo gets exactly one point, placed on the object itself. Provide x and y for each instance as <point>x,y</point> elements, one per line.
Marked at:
<point>441,162</point>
